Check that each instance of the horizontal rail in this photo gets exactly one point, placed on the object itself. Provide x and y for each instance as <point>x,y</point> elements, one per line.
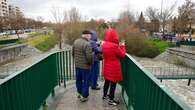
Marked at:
<point>142,91</point>
<point>28,88</point>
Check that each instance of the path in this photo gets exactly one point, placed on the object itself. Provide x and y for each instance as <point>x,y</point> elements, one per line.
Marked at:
<point>66,99</point>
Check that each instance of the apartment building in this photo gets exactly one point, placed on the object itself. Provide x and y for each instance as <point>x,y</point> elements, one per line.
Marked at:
<point>4,8</point>
<point>14,10</point>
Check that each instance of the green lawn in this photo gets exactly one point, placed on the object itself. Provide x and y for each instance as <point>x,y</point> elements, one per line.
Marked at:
<point>42,42</point>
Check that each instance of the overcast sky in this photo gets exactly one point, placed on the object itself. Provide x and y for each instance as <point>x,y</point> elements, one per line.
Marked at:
<point>96,9</point>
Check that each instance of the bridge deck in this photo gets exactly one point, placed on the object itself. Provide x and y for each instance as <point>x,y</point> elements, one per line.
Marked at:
<point>66,99</point>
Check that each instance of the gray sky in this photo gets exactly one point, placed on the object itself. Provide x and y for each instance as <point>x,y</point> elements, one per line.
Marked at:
<point>106,9</point>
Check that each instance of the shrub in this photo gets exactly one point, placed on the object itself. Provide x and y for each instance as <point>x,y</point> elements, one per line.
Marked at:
<point>43,42</point>
<point>142,47</point>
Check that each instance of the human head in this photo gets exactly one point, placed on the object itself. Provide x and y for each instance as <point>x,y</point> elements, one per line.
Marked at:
<point>112,36</point>
<point>94,36</point>
<point>86,34</point>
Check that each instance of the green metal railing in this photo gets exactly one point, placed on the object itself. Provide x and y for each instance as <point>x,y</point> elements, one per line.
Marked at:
<point>189,43</point>
<point>65,67</point>
<point>8,41</point>
<point>142,91</point>
<point>172,73</point>
<point>29,88</point>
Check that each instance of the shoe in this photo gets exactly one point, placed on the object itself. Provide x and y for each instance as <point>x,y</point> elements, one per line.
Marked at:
<point>96,88</point>
<point>83,99</point>
<point>113,102</point>
<point>105,97</point>
<point>79,96</point>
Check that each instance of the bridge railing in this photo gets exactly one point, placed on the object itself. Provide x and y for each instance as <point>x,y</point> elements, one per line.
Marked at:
<point>65,66</point>
<point>142,91</point>
<point>8,41</point>
<point>29,88</point>
<point>189,43</point>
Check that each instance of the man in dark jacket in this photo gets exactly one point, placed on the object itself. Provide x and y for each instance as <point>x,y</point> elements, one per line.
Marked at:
<point>83,56</point>
<point>96,66</point>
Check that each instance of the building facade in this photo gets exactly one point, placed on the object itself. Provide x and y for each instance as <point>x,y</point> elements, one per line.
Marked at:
<point>4,11</point>
<point>14,10</point>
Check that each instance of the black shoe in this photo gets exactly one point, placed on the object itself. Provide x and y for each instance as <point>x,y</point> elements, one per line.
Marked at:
<point>79,96</point>
<point>113,102</point>
<point>97,88</point>
<point>84,99</point>
<point>105,97</point>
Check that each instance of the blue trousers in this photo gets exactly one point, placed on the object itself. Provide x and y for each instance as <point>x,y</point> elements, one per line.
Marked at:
<point>94,74</point>
<point>83,81</point>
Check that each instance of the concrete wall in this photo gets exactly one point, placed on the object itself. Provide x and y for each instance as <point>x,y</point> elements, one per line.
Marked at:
<point>11,52</point>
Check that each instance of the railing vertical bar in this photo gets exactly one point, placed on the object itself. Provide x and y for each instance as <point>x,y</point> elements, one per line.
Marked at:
<point>61,66</point>
<point>64,72</point>
<point>74,72</point>
<point>57,68</point>
<point>70,70</point>
<point>67,75</point>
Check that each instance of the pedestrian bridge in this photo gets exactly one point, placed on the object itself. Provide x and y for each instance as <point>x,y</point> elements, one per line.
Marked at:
<point>51,81</point>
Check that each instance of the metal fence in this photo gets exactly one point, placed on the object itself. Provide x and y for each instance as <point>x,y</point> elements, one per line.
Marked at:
<point>142,91</point>
<point>27,89</point>
<point>189,43</point>
<point>172,73</point>
<point>65,66</point>
<point>8,41</point>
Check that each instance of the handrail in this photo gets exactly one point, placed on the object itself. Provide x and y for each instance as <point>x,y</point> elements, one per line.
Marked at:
<point>28,88</point>
<point>8,41</point>
<point>189,43</point>
<point>142,91</point>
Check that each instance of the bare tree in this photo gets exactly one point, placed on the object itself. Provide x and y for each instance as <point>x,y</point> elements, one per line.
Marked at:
<point>152,13</point>
<point>60,18</point>
<point>165,15</point>
<point>2,23</point>
<point>74,25</point>
<point>127,15</point>
<point>186,16</point>
<point>16,22</point>
<point>74,15</point>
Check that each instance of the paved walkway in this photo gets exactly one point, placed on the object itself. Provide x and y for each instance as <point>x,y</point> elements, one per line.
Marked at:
<point>179,87</point>
<point>66,99</point>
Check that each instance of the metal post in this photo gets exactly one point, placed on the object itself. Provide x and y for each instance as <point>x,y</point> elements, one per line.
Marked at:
<point>189,81</point>
<point>53,93</point>
<point>45,106</point>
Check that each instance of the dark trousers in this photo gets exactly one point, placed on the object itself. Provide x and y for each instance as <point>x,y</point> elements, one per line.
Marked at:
<point>109,85</point>
<point>94,74</point>
<point>82,81</point>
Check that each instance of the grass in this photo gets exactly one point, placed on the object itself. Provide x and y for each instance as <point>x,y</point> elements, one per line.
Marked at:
<point>161,45</point>
<point>42,42</point>
<point>34,34</point>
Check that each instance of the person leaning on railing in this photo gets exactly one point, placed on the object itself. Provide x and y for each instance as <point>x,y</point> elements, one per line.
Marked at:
<point>83,57</point>
<point>112,53</point>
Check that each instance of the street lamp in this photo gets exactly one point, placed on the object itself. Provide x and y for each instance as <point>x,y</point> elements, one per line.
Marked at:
<point>190,33</point>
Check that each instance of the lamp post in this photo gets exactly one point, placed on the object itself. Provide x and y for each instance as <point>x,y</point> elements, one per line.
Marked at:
<point>190,33</point>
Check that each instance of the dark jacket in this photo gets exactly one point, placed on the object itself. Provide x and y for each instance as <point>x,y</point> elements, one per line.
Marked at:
<point>82,53</point>
<point>97,49</point>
